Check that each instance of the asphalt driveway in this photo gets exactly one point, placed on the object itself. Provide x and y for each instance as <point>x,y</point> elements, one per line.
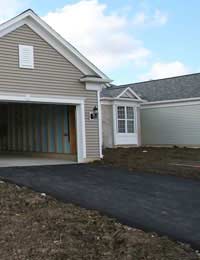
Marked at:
<point>164,204</point>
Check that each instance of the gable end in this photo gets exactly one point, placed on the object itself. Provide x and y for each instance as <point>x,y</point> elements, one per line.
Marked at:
<point>54,39</point>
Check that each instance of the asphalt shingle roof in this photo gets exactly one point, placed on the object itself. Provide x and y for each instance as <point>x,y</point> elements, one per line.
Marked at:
<point>187,86</point>
<point>112,91</point>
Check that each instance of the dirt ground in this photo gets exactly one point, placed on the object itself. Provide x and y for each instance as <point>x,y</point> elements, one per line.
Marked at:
<point>176,161</point>
<point>36,227</point>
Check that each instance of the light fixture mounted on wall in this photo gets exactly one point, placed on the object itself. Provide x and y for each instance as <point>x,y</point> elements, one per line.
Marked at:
<point>94,113</point>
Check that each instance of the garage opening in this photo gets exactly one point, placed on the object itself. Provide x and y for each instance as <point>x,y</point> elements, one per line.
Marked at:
<point>38,131</point>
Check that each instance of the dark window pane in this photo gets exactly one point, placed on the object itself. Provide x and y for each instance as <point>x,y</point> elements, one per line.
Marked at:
<point>130,126</point>
<point>121,112</point>
<point>130,112</point>
<point>121,126</point>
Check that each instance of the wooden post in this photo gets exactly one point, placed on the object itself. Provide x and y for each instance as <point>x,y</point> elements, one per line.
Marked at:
<point>72,129</point>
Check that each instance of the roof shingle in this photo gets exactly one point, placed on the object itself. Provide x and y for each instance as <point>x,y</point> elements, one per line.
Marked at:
<point>181,87</point>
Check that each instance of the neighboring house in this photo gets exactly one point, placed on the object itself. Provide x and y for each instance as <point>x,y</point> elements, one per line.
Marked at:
<point>166,113</point>
<point>49,93</point>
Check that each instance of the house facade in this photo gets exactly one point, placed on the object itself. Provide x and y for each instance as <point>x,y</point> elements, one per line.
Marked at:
<point>55,103</point>
<point>167,114</point>
<point>49,93</point>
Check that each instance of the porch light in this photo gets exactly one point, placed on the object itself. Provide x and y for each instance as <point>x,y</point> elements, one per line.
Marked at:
<point>94,114</point>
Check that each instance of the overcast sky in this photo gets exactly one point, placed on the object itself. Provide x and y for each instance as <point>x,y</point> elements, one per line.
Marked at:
<point>130,40</point>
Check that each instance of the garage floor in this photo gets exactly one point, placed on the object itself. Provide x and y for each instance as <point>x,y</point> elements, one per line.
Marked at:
<point>14,160</point>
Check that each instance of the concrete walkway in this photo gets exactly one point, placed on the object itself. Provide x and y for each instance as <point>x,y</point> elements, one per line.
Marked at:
<point>164,204</point>
<point>19,160</point>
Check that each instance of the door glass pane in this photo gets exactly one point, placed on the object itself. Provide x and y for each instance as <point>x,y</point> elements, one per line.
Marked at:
<point>121,112</point>
<point>130,113</point>
<point>130,126</point>
<point>121,126</point>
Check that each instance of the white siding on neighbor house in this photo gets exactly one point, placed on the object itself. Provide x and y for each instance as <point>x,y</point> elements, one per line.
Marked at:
<point>171,125</point>
<point>107,125</point>
<point>52,75</point>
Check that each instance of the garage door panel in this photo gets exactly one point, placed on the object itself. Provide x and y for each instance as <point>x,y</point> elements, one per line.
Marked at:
<point>37,128</point>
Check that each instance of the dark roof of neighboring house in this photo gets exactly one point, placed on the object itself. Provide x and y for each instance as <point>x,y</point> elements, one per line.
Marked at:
<point>112,91</point>
<point>181,87</point>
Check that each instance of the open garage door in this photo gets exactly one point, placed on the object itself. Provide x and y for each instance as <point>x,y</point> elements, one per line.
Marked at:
<point>38,129</point>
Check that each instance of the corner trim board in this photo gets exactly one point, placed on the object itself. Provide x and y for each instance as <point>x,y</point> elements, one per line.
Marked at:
<point>100,125</point>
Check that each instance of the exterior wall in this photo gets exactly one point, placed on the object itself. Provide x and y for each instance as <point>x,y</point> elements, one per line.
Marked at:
<point>52,75</point>
<point>111,137</point>
<point>138,112</point>
<point>171,125</point>
<point>107,126</point>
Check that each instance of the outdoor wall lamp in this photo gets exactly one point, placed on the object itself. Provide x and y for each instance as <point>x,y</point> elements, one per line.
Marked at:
<point>94,114</point>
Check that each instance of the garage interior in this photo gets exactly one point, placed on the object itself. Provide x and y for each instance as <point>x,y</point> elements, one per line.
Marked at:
<point>37,134</point>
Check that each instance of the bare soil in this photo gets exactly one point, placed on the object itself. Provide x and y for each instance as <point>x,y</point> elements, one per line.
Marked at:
<point>176,161</point>
<point>37,227</point>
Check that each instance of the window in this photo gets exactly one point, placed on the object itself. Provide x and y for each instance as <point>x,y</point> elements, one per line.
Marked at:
<point>26,57</point>
<point>121,119</point>
<point>130,119</point>
<point>125,119</point>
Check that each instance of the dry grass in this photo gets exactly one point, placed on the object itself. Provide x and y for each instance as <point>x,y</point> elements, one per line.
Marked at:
<point>183,162</point>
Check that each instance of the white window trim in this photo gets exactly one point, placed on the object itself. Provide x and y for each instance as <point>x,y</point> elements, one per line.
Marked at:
<point>21,61</point>
<point>126,120</point>
<point>116,135</point>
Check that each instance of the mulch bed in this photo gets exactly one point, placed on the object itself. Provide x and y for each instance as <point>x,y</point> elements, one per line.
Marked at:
<point>36,226</point>
<point>175,161</point>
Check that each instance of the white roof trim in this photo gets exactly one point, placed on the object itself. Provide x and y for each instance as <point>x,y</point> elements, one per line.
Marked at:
<point>129,89</point>
<point>175,104</point>
<point>53,38</point>
<point>170,101</point>
<point>120,102</point>
<point>94,79</point>
<point>122,99</point>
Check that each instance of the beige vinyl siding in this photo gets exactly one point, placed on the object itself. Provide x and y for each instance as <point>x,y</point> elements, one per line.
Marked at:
<point>52,75</point>
<point>173,125</point>
<point>107,125</point>
<point>92,132</point>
